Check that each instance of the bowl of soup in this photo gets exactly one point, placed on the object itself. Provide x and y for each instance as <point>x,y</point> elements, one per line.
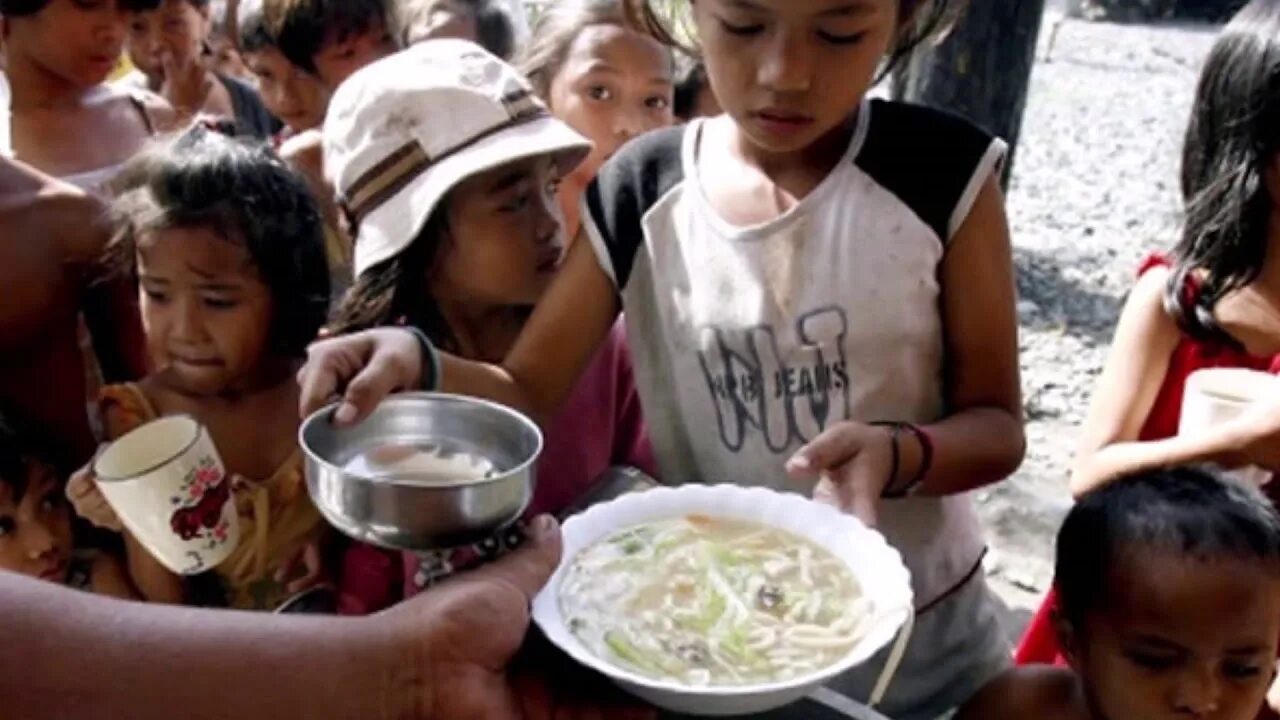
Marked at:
<point>724,600</point>
<point>424,471</point>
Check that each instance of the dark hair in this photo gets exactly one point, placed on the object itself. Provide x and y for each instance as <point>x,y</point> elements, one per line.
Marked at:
<point>301,27</point>
<point>494,29</point>
<point>244,192</point>
<point>1233,136</point>
<point>21,8</point>
<point>692,81</point>
<point>397,291</point>
<point>918,22</point>
<point>252,33</point>
<point>560,23</point>
<point>21,447</point>
<point>1186,512</point>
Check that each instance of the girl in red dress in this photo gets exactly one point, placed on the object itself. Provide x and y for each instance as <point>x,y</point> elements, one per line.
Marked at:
<point>1215,302</point>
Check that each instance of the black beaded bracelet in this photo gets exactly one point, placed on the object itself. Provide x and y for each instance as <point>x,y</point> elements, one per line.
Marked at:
<point>926,459</point>
<point>430,359</point>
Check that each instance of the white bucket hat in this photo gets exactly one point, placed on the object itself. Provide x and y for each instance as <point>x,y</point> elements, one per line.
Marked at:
<point>404,131</point>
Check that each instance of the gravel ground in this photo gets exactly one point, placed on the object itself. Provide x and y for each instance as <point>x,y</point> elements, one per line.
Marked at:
<point>1094,189</point>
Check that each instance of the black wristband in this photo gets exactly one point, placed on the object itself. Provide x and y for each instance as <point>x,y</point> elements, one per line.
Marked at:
<point>430,359</point>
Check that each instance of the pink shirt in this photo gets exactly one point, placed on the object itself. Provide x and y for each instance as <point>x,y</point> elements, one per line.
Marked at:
<point>599,426</point>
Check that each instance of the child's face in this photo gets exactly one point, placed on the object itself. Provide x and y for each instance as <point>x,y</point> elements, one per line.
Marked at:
<point>341,56</point>
<point>206,312</point>
<point>296,97</point>
<point>436,19</point>
<point>789,72</point>
<point>503,242</point>
<point>614,84</point>
<point>175,28</point>
<point>80,42</point>
<point>1180,638</point>
<point>35,531</point>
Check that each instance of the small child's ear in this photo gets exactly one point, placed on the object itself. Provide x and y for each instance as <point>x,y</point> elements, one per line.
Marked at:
<point>1068,637</point>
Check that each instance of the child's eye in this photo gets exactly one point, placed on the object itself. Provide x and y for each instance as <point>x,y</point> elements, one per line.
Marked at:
<point>6,526</point>
<point>217,303</point>
<point>743,30</point>
<point>553,186</point>
<point>51,502</point>
<point>1151,661</point>
<point>516,203</point>
<point>155,296</point>
<point>657,102</point>
<point>1240,671</point>
<point>599,92</point>
<point>834,39</point>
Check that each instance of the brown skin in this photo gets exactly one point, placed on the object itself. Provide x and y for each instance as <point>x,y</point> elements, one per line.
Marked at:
<point>340,57</point>
<point>440,656</point>
<point>1179,638</point>
<point>65,120</point>
<point>36,537</point>
<point>207,314</point>
<point>614,84</point>
<point>46,284</point>
<point>1145,339</point>
<point>435,19</point>
<point>166,46</point>
<point>298,98</point>
<point>759,165</point>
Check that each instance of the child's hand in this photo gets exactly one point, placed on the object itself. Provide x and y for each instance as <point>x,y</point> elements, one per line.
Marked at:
<point>88,500</point>
<point>362,369</point>
<point>852,462</point>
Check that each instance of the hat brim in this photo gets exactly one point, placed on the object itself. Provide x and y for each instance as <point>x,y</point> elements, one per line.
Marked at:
<point>391,227</point>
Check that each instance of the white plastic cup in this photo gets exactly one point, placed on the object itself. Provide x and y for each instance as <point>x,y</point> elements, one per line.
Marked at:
<point>1214,396</point>
<point>168,486</point>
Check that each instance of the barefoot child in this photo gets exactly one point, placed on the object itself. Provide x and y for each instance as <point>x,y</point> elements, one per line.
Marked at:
<point>1213,303</point>
<point>817,285</point>
<point>480,241</point>
<point>226,246</point>
<point>1169,606</point>
<point>36,533</point>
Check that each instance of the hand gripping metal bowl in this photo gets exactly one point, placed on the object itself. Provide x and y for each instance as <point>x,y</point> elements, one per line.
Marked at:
<point>406,514</point>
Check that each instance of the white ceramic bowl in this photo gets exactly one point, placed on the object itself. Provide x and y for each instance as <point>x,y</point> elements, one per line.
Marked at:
<point>877,566</point>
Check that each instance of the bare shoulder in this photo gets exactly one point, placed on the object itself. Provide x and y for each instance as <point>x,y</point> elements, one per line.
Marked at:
<point>1032,691</point>
<point>305,152</point>
<point>33,204</point>
<point>109,578</point>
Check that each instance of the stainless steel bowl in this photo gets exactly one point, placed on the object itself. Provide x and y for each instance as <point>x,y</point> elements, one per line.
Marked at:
<point>407,515</point>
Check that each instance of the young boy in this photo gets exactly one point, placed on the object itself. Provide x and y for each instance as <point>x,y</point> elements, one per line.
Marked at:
<point>331,39</point>
<point>295,96</point>
<point>36,535</point>
<point>1169,584</point>
<point>51,235</point>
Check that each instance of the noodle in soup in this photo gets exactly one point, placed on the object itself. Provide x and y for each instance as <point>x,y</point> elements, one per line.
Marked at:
<point>710,601</point>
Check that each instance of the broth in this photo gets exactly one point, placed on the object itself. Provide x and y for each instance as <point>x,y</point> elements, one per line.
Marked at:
<point>709,601</point>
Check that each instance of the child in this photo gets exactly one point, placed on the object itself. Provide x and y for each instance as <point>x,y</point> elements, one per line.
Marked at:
<point>484,22</point>
<point>480,240</point>
<point>694,98</point>
<point>47,285</point>
<point>226,246</point>
<point>295,96</point>
<point>601,75</point>
<point>1148,569</point>
<point>65,120</point>
<point>169,47</point>
<point>1209,304</point>
<point>36,535</point>
<point>816,284</point>
<point>331,39</point>
<point>225,56</point>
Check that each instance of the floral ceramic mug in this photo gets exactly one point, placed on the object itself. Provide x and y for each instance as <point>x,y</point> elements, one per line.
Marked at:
<point>168,486</point>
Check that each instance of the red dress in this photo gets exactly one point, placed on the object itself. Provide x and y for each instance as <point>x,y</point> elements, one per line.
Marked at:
<point>1040,644</point>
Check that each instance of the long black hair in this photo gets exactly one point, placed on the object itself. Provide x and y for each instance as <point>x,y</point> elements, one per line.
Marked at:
<point>246,193</point>
<point>397,290</point>
<point>1233,137</point>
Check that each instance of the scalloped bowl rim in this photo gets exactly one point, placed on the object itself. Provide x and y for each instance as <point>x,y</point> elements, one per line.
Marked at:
<point>735,502</point>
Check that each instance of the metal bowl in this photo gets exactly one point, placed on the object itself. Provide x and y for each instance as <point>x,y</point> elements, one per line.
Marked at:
<point>399,513</point>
